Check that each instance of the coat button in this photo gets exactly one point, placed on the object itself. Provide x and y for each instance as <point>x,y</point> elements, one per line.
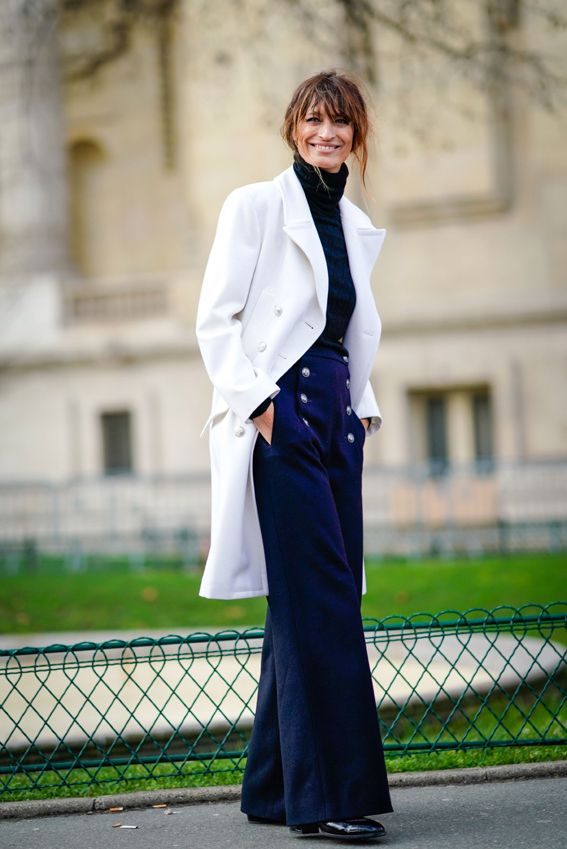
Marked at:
<point>262,346</point>
<point>305,371</point>
<point>278,310</point>
<point>305,422</point>
<point>350,437</point>
<point>349,410</point>
<point>303,397</point>
<point>345,358</point>
<point>347,383</point>
<point>239,431</point>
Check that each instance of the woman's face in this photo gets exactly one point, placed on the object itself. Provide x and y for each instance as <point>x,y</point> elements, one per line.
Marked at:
<point>322,141</point>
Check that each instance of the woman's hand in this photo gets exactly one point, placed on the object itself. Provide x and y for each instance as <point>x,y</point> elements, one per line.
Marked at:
<point>365,423</point>
<point>265,423</point>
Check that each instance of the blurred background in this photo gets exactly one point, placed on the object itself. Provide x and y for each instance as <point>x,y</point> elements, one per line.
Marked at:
<point>124,124</point>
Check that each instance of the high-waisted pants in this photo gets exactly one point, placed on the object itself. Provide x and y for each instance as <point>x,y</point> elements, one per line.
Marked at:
<point>315,752</point>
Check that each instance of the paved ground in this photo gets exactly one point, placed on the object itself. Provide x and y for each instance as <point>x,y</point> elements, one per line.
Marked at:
<point>522,814</point>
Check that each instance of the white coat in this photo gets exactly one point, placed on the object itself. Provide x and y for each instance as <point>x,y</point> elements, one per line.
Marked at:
<point>262,306</point>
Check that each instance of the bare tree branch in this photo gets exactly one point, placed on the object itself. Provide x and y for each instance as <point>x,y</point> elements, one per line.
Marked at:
<point>437,28</point>
<point>119,18</point>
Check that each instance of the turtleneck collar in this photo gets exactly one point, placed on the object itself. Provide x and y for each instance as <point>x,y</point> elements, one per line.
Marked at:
<point>328,192</point>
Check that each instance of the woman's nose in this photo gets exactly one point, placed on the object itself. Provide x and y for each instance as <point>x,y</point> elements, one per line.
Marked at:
<point>326,130</point>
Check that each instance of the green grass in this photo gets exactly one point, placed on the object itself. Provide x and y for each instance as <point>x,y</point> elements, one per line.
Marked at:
<point>109,596</point>
<point>469,758</point>
<point>108,782</point>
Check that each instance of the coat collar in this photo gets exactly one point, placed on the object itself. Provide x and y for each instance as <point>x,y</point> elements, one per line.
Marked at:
<point>296,208</point>
<point>363,241</point>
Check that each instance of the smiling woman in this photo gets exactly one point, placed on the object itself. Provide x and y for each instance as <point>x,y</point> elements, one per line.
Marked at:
<point>288,330</point>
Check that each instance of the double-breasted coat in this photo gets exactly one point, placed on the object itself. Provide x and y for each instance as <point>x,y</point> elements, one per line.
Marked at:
<point>262,306</point>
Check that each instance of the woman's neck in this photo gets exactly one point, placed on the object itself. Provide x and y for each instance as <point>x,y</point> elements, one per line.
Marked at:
<point>323,186</point>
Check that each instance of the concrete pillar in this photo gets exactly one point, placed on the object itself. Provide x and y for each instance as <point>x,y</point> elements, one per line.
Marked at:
<point>33,194</point>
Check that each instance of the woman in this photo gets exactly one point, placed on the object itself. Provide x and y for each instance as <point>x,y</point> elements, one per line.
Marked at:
<point>288,331</point>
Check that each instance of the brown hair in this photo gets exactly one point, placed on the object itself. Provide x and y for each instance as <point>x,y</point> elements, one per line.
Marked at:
<point>342,97</point>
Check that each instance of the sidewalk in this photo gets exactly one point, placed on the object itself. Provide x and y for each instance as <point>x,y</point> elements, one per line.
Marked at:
<point>510,814</point>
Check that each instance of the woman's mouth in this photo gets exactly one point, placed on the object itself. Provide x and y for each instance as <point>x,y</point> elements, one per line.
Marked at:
<point>325,148</point>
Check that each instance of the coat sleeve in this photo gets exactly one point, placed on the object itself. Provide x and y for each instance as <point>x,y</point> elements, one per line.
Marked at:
<point>226,285</point>
<point>368,409</point>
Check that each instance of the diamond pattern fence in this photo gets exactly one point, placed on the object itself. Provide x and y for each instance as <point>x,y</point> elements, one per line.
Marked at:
<point>72,716</point>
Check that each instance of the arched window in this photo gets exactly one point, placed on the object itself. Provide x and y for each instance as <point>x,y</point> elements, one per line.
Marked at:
<point>88,221</point>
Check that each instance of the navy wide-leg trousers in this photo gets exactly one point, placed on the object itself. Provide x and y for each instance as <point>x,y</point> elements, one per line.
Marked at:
<point>315,752</point>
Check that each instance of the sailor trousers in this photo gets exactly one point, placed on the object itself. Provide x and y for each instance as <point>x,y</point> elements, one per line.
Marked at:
<point>315,752</point>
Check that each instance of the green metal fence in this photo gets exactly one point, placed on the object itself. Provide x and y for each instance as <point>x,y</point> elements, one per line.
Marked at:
<point>182,706</point>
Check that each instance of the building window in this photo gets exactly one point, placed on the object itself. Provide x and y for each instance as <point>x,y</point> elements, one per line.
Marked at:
<point>482,421</point>
<point>90,227</point>
<point>451,429</point>
<point>436,434</point>
<point>116,442</point>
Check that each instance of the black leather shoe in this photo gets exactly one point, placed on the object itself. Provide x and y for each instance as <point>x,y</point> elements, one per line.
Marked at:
<point>358,829</point>
<point>263,820</point>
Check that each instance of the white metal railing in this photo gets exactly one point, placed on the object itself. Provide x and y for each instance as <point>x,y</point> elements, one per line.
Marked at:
<point>407,511</point>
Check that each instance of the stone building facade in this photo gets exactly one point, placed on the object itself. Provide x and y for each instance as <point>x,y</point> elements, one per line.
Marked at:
<point>110,188</point>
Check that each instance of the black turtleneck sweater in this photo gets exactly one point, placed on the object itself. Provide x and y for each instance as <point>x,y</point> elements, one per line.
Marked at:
<point>323,199</point>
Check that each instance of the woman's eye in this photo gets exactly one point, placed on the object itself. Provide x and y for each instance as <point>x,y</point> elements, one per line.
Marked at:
<point>342,121</point>
<point>312,119</point>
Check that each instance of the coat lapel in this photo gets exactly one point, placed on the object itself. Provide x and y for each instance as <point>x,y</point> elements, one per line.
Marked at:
<point>363,243</point>
<point>299,226</point>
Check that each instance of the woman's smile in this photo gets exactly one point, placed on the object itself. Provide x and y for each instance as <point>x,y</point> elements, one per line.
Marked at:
<point>327,148</point>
